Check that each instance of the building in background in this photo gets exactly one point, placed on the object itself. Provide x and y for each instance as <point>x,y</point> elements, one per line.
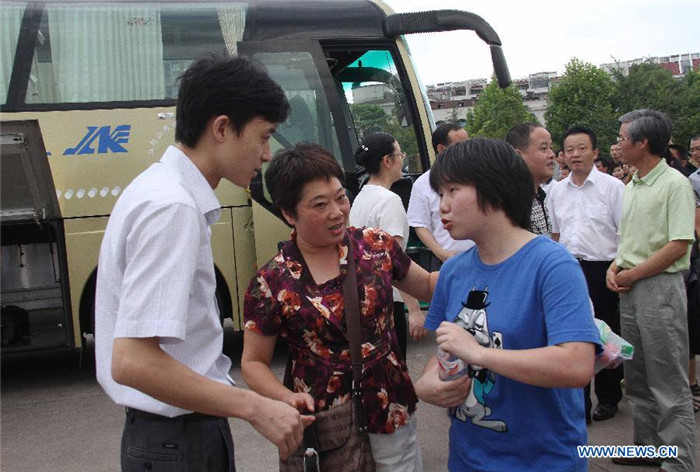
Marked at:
<point>451,100</point>
<point>678,64</point>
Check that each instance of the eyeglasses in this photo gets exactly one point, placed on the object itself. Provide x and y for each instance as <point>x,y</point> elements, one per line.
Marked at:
<point>693,149</point>
<point>402,155</point>
<point>621,138</point>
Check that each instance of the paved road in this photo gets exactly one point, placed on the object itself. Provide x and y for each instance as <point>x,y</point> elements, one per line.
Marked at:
<point>54,417</point>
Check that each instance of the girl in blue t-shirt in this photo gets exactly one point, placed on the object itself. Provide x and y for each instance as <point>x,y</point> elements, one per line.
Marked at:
<point>525,329</point>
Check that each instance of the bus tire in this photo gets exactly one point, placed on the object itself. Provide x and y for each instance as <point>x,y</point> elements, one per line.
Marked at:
<point>87,303</point>
<point>223,297</point>
<point>87,307</point>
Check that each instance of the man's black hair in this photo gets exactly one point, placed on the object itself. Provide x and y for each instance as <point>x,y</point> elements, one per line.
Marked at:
<point>441,135</point>
<point>606,161</point>
<point>519,135</point>
<point>218,84</point>
<point>682,151</point>
<point>580,130</point>
<point>501,178</point>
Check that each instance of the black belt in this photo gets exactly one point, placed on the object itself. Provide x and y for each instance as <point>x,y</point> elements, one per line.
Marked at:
<point>582,260</point>
<point>154,417</point>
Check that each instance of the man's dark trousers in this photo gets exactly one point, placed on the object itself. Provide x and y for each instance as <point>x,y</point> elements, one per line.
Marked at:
<point>607,308</point>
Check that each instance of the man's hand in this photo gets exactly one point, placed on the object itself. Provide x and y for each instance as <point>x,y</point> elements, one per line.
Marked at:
<point>612,282</point>
<point>624,280</point>
<point>416,320</point>
<point>431,389</point>
<point>281,424</point>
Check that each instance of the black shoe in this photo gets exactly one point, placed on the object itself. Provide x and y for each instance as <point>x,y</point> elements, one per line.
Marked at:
<point>604,412</point>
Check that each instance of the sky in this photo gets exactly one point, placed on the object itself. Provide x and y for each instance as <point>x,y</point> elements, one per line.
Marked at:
<point>543,35</point>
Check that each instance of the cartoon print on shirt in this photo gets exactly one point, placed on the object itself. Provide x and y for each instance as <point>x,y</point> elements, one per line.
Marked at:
<point>473,318</point>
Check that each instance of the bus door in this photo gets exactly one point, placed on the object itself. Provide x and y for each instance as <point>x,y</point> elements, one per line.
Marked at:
<point>380,98</point>
<point>300,68</point>
<point>35,295</point>
<point>338,93</point>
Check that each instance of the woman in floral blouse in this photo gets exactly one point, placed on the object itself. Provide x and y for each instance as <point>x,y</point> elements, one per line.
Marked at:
<point>298,295</point>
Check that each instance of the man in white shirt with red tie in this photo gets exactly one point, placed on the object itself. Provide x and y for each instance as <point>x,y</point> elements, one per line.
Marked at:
<point>586,209</point>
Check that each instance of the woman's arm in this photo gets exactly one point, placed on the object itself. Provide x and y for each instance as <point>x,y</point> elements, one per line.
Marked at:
<point>255,367</point>
<point>418,282</point>
<point>566,365</point>
<point>416,318</point>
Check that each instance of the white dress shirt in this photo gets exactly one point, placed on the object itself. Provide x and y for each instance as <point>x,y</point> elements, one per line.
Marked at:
<point>424,212</point>
<point>156,276</point>
<point>587,217</point>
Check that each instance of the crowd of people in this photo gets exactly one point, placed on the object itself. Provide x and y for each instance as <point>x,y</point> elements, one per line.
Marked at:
<point>529,245</point>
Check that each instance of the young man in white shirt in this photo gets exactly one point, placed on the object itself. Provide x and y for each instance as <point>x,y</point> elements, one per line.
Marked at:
<point>585,209</point>
<point>158,337</point>
<point>424,205</point>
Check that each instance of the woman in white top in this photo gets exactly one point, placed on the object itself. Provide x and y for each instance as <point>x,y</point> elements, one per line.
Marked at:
<point>377,206</point>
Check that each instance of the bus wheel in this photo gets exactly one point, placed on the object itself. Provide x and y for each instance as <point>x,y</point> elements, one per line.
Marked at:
<point>87,309</point>
<point>223,297</point>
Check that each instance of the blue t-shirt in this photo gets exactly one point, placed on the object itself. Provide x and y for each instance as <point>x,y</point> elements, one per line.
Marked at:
<point>535,298</point>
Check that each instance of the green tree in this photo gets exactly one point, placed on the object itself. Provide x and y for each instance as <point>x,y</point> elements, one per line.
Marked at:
<point>584,97</point>
<point>687,122</point>
<point>369,118</point>
<point>649,85</point>
<point>497,111</point>
<point>454,117</point>
<point>406,137</point>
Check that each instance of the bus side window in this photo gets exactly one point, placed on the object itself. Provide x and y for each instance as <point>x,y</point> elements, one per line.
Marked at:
<point>10,24</point>
<point>378,100</point>
<point>125,52</point>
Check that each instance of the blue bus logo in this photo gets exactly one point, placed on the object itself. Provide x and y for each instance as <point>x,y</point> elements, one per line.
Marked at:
<point>107,140</point>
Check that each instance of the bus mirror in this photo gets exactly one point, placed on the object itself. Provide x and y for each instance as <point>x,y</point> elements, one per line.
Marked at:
<point>450,20</point>
<point>500,66</point>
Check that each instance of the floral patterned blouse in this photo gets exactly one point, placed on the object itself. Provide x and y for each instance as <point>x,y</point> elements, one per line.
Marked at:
<point>283,299</point>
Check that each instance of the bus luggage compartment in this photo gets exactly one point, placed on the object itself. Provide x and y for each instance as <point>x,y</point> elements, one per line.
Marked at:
<point>34,299</point>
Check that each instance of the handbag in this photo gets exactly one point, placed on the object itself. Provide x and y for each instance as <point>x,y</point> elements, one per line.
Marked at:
<point>337,440</point>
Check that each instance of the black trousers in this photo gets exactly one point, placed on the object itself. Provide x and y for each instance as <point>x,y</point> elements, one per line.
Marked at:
<point>607,308</point>
<point>184,443</point>
<point>401,327</point>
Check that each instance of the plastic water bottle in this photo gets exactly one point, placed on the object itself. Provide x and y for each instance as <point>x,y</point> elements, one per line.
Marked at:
<point>452,367</point>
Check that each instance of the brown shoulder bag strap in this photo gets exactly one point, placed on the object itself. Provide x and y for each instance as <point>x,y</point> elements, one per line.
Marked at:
<point>352,321</point>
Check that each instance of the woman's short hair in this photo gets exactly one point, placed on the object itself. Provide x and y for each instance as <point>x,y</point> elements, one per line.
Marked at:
<point>290,169</point>
<point>501,178</point>
<point>373,149</point>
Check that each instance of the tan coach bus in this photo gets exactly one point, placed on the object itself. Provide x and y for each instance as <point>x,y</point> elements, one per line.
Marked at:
<point>88,95</point>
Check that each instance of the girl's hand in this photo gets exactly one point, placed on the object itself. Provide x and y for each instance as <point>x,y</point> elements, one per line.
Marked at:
<point>454,340</point>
